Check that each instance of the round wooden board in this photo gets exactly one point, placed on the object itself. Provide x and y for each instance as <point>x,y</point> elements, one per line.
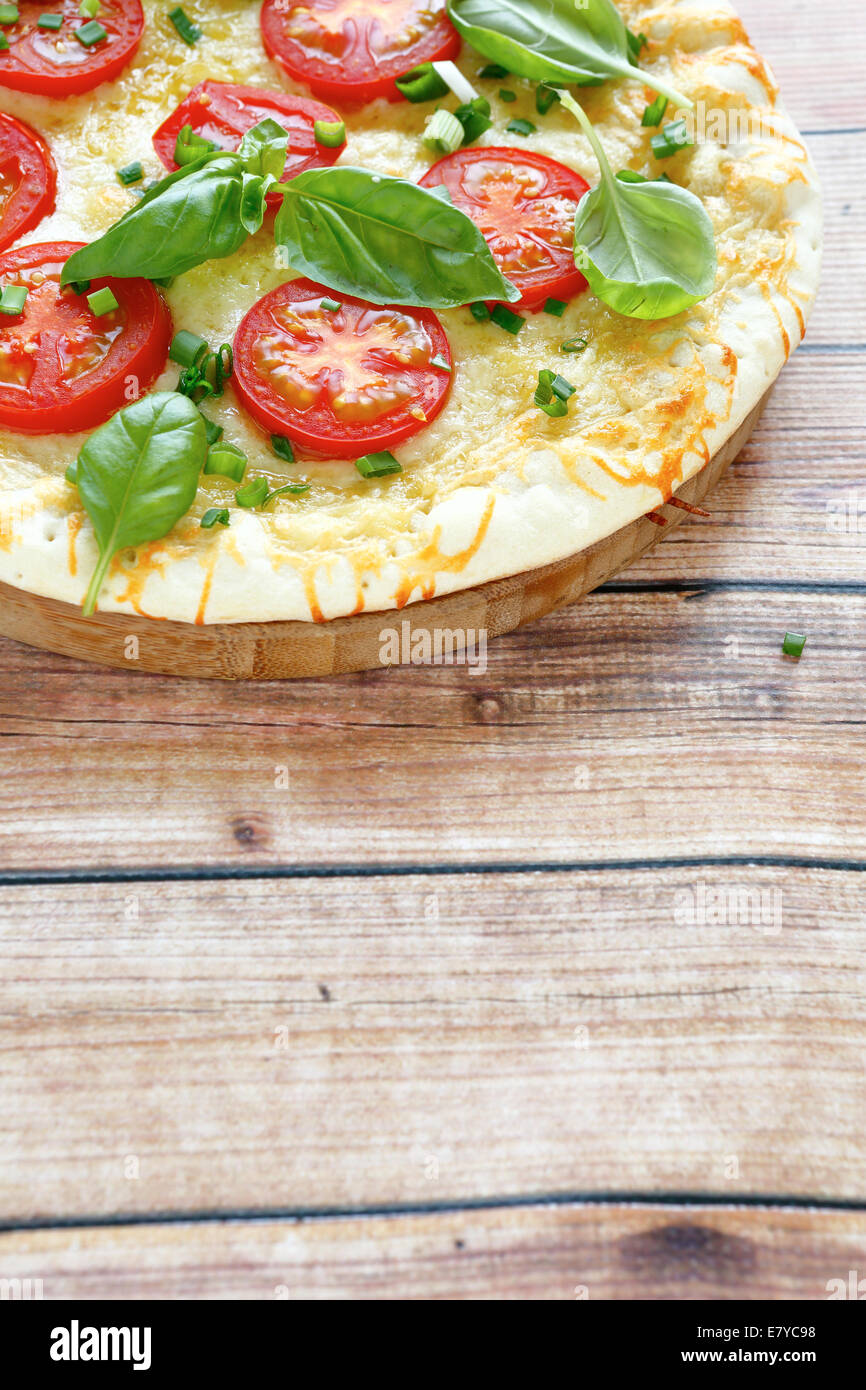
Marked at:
<point>285,651</point>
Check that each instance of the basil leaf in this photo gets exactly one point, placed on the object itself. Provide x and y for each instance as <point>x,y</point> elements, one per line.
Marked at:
<point>647,248</point>
<point>263,150</point>
<point>202,212</point>
<point>583,41</point>
<point>386,240</point>
<point>138,476</point>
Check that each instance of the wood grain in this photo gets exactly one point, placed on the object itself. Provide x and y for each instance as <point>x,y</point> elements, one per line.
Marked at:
<point>310,1043</point>
<point>569,1252</point>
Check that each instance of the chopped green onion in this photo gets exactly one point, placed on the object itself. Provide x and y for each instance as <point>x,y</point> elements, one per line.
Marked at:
<point>4,43</point>
<point>331,306</point>
<point>103,301</point>
<point>131,173</point>
<point>226,461</point>
<point>8,14</point>
<point>505,94</point>
<point>553,394</point>
<point>635,43</point>
<point>480,311</point>
<point>215,516</point>
<point>282,447</point>
<point>545,97</point>
<point>443,132</point>
<point>187,348</point>
<point>12,300</point>
<point>290,490</point>
<point>493,70</point>
<point>556,307</point>
<point>91,34</point>
<point>189,32</point>
<point>575,344</point>
<point>521,127</point>
<point>254,494</point>
<point>80,287</point>
<point>378,465</point>
<point>474,117</point>
<point>672,138</point>
<point>794,643</point>
<point>653,114</point>
<point>190,146</point>
<point>441,362</point>
<point>213,432</point>
<point>422,84</point>
<point>50,21</point>
<point>89,9</point>
<point>330,134</point>
<point>71,474</point>
<point>506,318</point>
<point>459,85</point>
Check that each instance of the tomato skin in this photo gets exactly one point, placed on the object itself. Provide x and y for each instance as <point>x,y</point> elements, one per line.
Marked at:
<point>27,67</point>
<point>26,162</point>
<point>49,405</point>
<point>226,111</point>
<point>317,430</point>
<point>558,277</point>
<point>355,77</point>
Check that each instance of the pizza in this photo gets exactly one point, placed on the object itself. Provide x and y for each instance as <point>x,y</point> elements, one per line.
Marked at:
<point>316,307</point>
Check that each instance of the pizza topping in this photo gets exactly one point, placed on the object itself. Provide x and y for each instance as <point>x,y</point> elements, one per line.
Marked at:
<point>525,206</point>
<point>68,362</point>
<point>28,180</point>
<point>379,465</point>
<point>340,382</point>
<point>354,50</point>
<point>189,32</point>
<point>71,58</point>
<point>217,115</point>
<point>553,394</point>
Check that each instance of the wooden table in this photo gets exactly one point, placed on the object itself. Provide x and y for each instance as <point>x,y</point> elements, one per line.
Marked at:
<point>426,983</point>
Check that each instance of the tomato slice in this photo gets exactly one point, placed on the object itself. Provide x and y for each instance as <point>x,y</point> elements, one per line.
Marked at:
<point>352,50</point>
<point>524,205</point>
<point>28,180</point>
<point>53,62</point>
<point>344,382</point>
<point>62,369</point>
<point>223,112</point>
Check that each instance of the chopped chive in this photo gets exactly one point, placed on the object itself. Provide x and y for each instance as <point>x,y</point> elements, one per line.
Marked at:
<point>480,311</point>
<point>282,447</point>
<point>635,43</point>
<point>553,394</point>
<point>575,344</point>
<point>493,70</point>
<point>131,173</point>
<point>4,43</point>
<point>103,301</point>
<point>443,133</point>
<point>441,362</point>
<point>89,9</point>
<point>506,94</point>
<point>330,134</point>
<point>545,97</point>
<point>793,643</point>
<point>422,84</point>
<point>50,21</point>
<point>91,34</point>
<point>12,300</point>
<point>654,113</point>
<point>672,138</point>
<point>474,116</point>
<point>226,461</point>
<point>378,465</point>
<point>290,490</point>
<point>331,306</point>
<point>186,348</point>
<point>189,32</point>
<point>213,432</point>
<point>521,127</point>
<point>8,14</point>
<point>254,494</point>
<point>190,146</point>
<point>506,318</point>
<point>215,516</point>
<point>80,287</point>
<point>556,307</point>
<point>71,474</point>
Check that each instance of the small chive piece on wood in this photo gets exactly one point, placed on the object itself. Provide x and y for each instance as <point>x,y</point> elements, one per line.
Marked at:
<point>131,173</point>
<point>671,139</point>
<point>91,34</point>
<point>521,127</point>
<point>12,300</point>
<point>793,644</point>
<point>50,21</point>
<point>282,447</point>
<point>8,14</point>
<point>215,516</point>
<point>506,318</point>
<point>480,311</point>
<point>189,32</point>
<point>254,494</point>
<point>103,301</point>
<point>186,348</point>
<point>556,307</point>
<point>330,134</point>
<point>378,465</point>
<point>654,113</point>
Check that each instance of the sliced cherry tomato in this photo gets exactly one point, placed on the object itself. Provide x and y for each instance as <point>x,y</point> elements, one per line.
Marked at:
<point>28,180</point>
<point>62,368</point>
<point>224,113</point>
<point>53,62</point>
<point>524,205</point>
<point>353,50</point>
<point>340,382</point>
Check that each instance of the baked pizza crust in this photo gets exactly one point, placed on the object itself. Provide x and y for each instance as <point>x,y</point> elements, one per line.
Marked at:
<point>493,487</point>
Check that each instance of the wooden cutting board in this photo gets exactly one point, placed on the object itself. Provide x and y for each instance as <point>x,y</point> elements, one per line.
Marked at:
<point>290,650</point>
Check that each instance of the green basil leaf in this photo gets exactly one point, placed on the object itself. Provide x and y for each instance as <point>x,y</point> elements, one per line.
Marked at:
<point>647,248</point>
<point>138,475</point>
<point>263,150</point>
<point>195,215</point>
<point>386,240</point>
<point>553,40</point>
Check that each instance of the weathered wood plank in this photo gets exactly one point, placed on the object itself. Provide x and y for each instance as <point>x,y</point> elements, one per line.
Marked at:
<point>354,1042</point>
<point>808,48</point>
<point>579,1252</point>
